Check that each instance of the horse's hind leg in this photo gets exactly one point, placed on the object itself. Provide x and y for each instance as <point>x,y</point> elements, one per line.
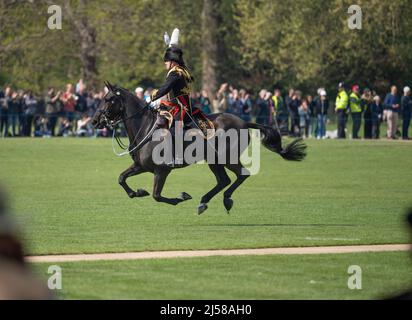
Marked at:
<point>159,182</point>
<point>222,180</point>
<point>242,174</point>
<point>133,170</point>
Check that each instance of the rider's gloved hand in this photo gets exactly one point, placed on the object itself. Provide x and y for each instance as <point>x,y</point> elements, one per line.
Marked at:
<point>153,105</point>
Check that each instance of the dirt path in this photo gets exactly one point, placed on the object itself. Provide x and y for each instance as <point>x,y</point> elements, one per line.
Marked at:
<point>210,253</point>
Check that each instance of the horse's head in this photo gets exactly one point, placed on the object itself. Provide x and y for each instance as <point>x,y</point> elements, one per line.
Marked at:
<point>115,105</point>
<point>111,108</point>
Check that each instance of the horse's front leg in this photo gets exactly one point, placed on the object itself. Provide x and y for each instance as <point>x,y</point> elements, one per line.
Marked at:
<point>159,182</point>
<point>133,170</point>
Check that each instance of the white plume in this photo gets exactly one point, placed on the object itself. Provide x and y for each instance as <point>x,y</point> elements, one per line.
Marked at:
<point>174,41</point>
<point>166,38</point>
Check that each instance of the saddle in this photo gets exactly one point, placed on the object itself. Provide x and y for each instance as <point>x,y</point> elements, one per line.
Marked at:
<point>197,120</point>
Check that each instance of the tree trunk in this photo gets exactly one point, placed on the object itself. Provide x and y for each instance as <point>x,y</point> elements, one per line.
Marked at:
<point>210,47</point>
<point>88,52</point>
<point>87,38</point>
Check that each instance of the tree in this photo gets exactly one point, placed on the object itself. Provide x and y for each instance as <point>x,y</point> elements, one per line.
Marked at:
<point>86,34</point>
<point>209,46</point>
<point>249,43</point>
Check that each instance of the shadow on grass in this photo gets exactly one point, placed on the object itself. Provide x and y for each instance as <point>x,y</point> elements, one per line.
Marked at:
<point>278,225</point>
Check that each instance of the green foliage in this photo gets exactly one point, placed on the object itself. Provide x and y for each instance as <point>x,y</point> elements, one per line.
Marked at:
<point>131,39</point>
<point>300,43</point>
<point>308,43</point>
<point>129,42</point>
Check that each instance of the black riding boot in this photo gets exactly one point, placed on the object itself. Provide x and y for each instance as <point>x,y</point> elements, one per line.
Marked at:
<point>177,162</point>
<point>162,123</point>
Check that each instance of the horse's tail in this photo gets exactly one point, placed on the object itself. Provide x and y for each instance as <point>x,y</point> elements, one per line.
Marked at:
<point>272,140</point>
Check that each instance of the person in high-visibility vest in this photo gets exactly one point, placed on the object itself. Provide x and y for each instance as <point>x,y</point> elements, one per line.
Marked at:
<point>275,104</point>
<point>341,106</point>
<point>356,111</point>
<point>280,112</point>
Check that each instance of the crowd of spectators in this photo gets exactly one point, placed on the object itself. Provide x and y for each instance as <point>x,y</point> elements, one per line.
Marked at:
<point>370,108</point>
<point>308,115</point>
<point>57,113</point>
<point>69,112</point>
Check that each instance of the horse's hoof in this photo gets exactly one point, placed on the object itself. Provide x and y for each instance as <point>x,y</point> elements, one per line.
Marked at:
<point>201,208</point>
<point>228,204</point>
<point>142,193</point>
<point>184,196</point>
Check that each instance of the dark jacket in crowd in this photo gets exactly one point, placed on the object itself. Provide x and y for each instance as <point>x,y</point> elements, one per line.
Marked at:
<point>3,102</point>
<point>263,112</point>
<point>294,106</point>
<point>321,107</point>
<point>376,111</point>
<point>281,108</point>
<point>15,106</point>
<point>51,107</point>
<point>205,105</point>
<point>367,110</point>
<point>312,108</point>
<point>236,107</point>
<point>92,105</point>
<point>288,102</point>
<point>406,106</point>
<point>390,100</point>
<point>81,103</point>
<point>30,105</point>
<point>246,110</point>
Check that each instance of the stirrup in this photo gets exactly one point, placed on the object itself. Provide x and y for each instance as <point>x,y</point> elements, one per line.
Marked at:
<point>176,163</point>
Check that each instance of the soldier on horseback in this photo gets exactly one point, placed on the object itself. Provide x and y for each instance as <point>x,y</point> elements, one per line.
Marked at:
<point>174,94</point>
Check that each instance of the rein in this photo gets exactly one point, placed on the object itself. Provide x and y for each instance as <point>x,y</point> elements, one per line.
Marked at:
<point>138,146</point>
<point>113,126</point>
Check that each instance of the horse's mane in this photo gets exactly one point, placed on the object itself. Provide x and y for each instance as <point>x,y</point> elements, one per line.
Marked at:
<point>131,97</point>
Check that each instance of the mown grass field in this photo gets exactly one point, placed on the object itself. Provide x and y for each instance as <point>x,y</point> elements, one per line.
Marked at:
<point>65,195</point>
<point>66,198</point>
<point>258,277</point>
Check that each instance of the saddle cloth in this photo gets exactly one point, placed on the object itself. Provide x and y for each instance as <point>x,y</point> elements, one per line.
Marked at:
<point>196,120</point>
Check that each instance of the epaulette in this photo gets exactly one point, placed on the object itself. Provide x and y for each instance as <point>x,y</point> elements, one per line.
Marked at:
<point>181,72</point>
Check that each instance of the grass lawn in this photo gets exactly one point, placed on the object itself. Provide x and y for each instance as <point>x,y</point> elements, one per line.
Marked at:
<point>66,197</point>
<point>242,277</point>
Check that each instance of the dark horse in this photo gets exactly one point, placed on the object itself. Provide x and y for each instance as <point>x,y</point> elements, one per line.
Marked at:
<point>119,105</point>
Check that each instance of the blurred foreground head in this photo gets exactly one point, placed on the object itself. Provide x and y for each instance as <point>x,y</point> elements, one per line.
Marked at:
<point>408,294</point>
<point>16,279</point>
<point>410,225</point>
<point>10,246</point>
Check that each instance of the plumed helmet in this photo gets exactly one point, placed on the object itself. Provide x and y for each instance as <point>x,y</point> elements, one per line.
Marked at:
<point>175,54</point>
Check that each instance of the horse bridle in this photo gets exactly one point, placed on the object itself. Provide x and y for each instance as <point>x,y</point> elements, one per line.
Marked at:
<point>112,124</point>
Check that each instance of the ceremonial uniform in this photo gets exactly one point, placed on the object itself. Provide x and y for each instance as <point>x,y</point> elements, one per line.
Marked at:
<point>174,95</point>
<point>176,92</point>
<point>175,102</point>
